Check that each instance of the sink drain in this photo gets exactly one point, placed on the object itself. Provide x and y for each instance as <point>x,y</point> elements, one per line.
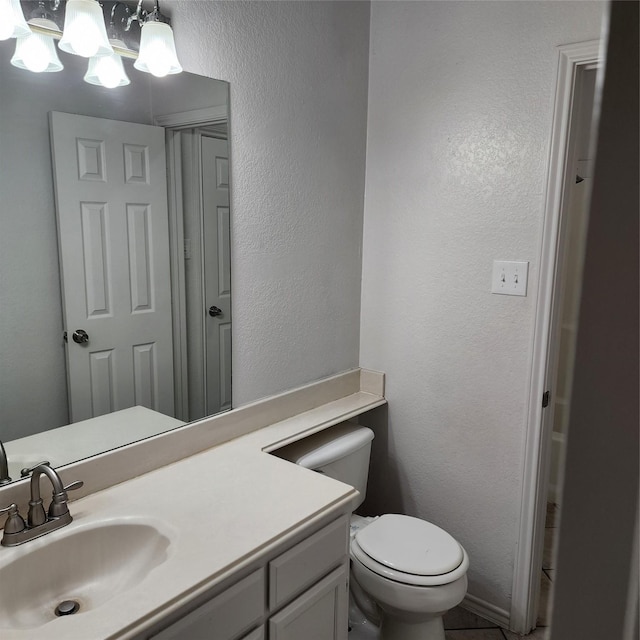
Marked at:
<point>67,608</point>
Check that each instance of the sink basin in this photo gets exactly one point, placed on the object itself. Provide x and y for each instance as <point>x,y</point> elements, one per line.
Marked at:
<point>89,564</point>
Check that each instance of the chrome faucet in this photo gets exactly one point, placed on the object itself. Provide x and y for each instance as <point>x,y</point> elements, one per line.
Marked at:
<point>4,466</point>
<point>39,522</point>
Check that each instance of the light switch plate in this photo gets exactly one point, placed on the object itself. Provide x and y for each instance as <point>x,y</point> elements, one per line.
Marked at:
<point>510,278</point>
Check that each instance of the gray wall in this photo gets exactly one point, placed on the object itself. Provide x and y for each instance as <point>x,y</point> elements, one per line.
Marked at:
<point>460,111</point>
<point>298,74</point>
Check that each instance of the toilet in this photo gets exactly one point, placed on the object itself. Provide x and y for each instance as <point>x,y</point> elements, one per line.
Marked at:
<point>406,573</point>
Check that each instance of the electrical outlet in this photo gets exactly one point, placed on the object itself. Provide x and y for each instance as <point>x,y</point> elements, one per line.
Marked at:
<point>510,278</point>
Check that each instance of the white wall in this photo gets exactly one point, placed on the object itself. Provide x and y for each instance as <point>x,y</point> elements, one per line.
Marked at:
<point>460,110</point>
<point>298,74</point>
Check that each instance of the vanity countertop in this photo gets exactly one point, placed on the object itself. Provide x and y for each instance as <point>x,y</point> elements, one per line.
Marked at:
<point>221,509</point>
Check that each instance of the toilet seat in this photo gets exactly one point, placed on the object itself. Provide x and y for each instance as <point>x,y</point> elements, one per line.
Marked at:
<point>410,550</point>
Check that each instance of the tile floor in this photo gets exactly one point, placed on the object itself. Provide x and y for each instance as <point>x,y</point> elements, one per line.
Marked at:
<point>460,624</point>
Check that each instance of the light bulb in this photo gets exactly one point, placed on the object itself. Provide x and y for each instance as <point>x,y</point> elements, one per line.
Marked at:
<point>6,20</point>
<point>35,54</point>
<point>84,35</point>
<point>12,23</point>
<point>84,32</point>
<point>107,71</point>
<point>158,60</point>
<point>157,50</point>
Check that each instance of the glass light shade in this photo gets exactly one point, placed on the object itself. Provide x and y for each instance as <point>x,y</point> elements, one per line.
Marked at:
<point>84,32</point>
<point>12,22</point>
<point>107,71</point>
<point>157,50</point>
<point>36,52</point>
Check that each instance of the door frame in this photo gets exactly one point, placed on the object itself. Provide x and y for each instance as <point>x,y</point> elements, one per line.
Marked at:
<point>573,59</point>
<point>173,124</point>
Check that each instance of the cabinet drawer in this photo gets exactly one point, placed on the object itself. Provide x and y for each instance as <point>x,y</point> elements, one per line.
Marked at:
<point>307,562</point>
<point>224,617</point>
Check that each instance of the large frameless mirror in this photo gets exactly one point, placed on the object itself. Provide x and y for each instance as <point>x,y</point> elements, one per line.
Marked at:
<point>115,247</point>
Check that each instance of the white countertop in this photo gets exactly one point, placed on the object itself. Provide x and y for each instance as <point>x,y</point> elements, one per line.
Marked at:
<point>221,509</point>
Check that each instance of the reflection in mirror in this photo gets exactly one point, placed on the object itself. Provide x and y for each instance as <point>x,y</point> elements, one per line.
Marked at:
<point>114,283</point>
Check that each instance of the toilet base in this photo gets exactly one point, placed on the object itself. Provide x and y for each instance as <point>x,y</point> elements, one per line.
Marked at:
<point>361,628</point>
<point>408,612</point>
<point>394,629</point>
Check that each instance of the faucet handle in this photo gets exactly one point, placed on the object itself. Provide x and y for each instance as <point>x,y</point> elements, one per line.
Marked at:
<point>74,485</point>
<point>27,471</point>
<point>58,506</point>
<point>14,523</point>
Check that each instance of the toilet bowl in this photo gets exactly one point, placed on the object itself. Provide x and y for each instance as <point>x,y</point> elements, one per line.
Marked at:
<point>412,570</point>
<point>406,573</point>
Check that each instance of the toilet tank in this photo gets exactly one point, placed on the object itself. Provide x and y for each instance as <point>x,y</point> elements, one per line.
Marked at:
<point>342,452</point>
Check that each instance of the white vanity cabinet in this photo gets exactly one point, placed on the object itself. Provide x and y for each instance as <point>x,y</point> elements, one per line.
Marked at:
<point>300,593</point>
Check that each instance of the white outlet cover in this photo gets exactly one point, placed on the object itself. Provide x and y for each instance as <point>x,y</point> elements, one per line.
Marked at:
<point>510,278</point>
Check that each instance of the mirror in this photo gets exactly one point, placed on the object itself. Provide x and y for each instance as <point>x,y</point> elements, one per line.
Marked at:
<point>103,229</point>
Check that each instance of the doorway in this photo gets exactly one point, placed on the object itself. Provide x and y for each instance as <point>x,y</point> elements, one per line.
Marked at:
<point>198,170</point>
<point>565,322</point>
<point>561,258</point>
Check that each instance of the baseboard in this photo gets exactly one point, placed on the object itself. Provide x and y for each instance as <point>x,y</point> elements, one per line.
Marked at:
<point>486,610</point>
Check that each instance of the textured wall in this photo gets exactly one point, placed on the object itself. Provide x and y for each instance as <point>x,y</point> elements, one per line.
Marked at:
<point>298,74</point>
<point>460,110</point>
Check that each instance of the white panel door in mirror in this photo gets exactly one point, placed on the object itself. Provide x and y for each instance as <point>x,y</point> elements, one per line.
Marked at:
<point>110,180</point>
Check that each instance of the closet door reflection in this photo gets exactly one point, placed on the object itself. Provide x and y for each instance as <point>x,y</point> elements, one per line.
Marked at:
<point>201,165</point>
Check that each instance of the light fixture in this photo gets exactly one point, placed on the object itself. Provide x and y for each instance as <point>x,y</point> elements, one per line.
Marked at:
<point>36,52</point>
<point>12,22</point>
<point>157,48</point>
<point>84,32</point>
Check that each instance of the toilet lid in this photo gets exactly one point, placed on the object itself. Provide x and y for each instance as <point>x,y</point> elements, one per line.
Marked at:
<point>410,545</point>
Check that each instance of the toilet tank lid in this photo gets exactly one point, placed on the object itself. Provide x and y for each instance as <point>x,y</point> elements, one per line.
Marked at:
<point>329,445</point>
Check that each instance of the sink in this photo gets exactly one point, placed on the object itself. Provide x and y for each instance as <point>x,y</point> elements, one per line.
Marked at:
<point>89,564</point>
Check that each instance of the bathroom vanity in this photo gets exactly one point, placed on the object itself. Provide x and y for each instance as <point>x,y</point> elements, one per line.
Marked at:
<point>225,543</point>
<point>304,587</point>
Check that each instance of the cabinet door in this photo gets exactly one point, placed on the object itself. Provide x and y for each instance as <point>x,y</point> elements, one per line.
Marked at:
<point>258,634</point>
<point>225,617</point>
<point>303,565</point>
<point>321,613</point>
